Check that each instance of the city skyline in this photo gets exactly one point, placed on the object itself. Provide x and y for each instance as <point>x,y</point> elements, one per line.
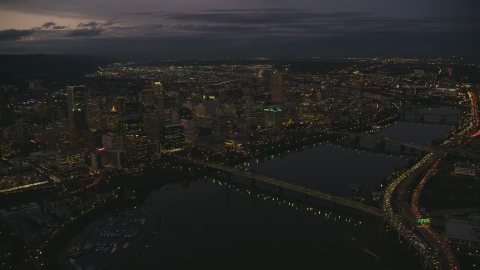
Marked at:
<point>325,149</point>
<point>228,29</point>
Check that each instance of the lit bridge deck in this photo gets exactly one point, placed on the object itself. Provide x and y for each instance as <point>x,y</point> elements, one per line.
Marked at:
<point>289,185</point>
<point>430,148</point>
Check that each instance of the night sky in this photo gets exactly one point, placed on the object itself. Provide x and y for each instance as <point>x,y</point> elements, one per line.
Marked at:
<point>225,28</point>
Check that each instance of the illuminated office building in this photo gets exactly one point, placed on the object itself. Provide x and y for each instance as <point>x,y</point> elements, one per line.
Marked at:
<point>93,113</point>
<point>137,146</point>
<point>133,107</point>
<point>279,87</point>
<point>254,113</point>
<point>130,123</point>
<point>189,130</point>
<point>79,133</point>
<point>165,106</point>
<point>146,97</point>
<point>220,127</point>
<point>273,117</point>
<point>76,98</point>
<point>110,119</point>
<point>104,159</point>
<point>180,113</point>
<point>172,138</point>
<point>157,89</point>
<point>113,140</point>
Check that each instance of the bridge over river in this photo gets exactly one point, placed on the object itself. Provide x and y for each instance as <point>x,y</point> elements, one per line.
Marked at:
<point>291,186</point>
<point>383,139</point>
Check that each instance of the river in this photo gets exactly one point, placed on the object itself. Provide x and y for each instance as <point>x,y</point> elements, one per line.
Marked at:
<point>213,225</point>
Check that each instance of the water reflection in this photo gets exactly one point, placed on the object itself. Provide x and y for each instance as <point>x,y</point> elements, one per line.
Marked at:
<point>229,224</point>
<point>232,225</point>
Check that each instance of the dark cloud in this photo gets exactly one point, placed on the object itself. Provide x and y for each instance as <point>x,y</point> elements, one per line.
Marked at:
<point>264,16</point>
<point>145,13</point>
<point>90,24</point>
<point>297,22</point>
<point>48,25</point>
<point>250,26</point>
<point>217,28</point>
<point>13,34</point>
<point>98,24</point>
<point>85,32</point>
<point>253,10</point>
<point>111,22</point>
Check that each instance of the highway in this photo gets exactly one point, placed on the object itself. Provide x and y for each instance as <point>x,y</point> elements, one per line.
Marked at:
<point>397,217</point>
<point>410,213</point>
<point>441,246</point>
<point>400,214</point>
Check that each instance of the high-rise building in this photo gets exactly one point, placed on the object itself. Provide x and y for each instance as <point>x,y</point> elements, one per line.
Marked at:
<point>103,159</point>
<point>93,113</point>
<point>113,141</point>
<point>137,146</point>
<point>152,126</point>
<point>130,123</point>
<point>279,87</point>
<point>77,98</point>
<point>254,113</point>
<point>110,119</point>
<point>180,113</point>
<point>150,112</point>
<point>146,97</point>
<point>189,130</point>
<point>220,127</point>
<point>79,132</point>
<point>165,105</point>
<point>273,117</point>
<point>133,107</point>
<point>172,138</point>
<point>157,89</point>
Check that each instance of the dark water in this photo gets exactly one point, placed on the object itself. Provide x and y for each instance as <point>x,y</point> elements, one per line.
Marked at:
<point>213,225</point>
<point>332,168</point>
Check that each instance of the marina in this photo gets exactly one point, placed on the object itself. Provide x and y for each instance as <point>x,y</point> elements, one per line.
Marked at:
<point>122,234</point>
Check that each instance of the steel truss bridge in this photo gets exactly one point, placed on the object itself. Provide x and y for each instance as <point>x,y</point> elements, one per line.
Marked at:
<point>289,185</point>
